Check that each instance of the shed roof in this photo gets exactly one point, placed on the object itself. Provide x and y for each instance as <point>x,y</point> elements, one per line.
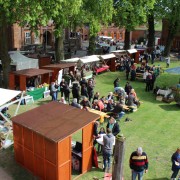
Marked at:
<point>32,72</point>
<point>60,66</point>
<point>54,120</point>
<point>131,51</point>
<point>107,56</point>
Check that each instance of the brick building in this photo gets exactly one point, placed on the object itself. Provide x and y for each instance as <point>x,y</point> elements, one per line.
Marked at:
<point>23,36</point>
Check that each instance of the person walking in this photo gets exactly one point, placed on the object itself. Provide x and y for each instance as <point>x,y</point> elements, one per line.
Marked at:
<point>108,141</point>
<point>138,163</point>
<point>175,163</point>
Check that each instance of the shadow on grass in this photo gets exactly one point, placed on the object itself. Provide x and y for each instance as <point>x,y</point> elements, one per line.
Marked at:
<point>169,107</point>
<point>11,167</point>
<point>159,179</point>
<point>41,102</point>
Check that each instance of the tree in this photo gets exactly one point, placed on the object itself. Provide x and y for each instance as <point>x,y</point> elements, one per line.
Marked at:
<point>61,13</point>
<point>172,15</point>
<point>151,29</point>
<point>96,13</point>
<point>23,12</point>
<point>130,14</point>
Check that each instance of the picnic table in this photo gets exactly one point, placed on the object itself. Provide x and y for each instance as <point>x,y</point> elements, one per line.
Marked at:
<point>100,113</point>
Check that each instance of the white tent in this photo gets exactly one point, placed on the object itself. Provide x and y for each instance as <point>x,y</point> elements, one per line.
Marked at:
<point>131,51</point>
<point>6,97</point>
<point>107,56</point>
<point>23,62</point>
<point>119,51</point>
<point>72,60</point>
<point>89,59</point>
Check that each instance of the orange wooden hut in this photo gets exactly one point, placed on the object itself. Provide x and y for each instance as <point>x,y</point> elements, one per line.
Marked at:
<point>43,140</point>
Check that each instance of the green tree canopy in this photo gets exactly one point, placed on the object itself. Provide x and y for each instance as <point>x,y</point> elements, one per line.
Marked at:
<point>21,12</point>
<point>130,14</point>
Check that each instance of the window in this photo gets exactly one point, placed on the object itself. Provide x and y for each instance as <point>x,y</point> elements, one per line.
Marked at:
<point>27,38</point>
<point>36,38</point>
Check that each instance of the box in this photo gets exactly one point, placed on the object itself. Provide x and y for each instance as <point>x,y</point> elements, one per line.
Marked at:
<point>159,98</point>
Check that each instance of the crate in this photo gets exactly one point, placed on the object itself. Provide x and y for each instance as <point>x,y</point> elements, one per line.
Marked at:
<point>159,98</point>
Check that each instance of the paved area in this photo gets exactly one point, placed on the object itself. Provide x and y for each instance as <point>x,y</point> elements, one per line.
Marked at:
<point>4,175</point>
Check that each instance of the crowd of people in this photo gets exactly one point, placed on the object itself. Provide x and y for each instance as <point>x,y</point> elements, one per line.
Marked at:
<point>115,104</point>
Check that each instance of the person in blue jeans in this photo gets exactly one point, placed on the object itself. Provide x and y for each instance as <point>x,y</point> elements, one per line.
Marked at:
<point>108,141</point>
<point>138,163</point>
<point>175,163</point>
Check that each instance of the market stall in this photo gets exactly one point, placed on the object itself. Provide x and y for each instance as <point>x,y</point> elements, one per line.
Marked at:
<point>66,67</point>
<point>43,140</point>
<point>8,97</point>
<point>134,54</point>
<point>89,63</point>
<point>30,80</point>
<point>110,60</point>
<point>20,61</point>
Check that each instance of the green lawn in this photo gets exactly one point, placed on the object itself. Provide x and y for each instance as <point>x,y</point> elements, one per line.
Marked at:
<point>155,127</point>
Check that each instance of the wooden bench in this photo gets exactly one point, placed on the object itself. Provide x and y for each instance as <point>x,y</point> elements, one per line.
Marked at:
<point>139,76</point>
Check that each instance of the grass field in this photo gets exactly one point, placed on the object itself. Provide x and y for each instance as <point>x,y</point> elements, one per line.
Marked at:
<point>155,127</point>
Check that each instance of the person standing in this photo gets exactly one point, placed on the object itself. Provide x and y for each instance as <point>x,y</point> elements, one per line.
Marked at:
<point>138,163</point>
<point>62,87</point>
<point>53,91</point>
<point>175,163</point>
<point>167,62</point>
<point>113,126</point>
<point>116,82</point>
<point>108,141</point>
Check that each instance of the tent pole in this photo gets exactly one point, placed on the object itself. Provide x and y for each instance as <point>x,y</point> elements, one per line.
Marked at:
<point>21,98</point>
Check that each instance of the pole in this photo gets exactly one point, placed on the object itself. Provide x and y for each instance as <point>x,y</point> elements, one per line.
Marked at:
<point>119,151</point>
<point>46,37</point>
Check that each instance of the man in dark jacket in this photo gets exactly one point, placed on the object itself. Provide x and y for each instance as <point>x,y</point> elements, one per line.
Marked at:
<point>116,82</point>
<point>113,126</point>
<point>175,163</point>
<point>138,163</point>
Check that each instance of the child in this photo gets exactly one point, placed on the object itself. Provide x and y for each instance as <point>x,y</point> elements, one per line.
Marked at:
<point>102,131</point>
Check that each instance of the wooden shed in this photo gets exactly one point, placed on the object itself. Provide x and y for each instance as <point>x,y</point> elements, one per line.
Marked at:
<point>57,67</point>
<point>20,77</point>
<point>110,60</point>
<point>43,138</point>
<point>134,54</point>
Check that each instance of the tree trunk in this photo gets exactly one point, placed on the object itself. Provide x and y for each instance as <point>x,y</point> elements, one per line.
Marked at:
<point>59,48</point>
<point>171,33</point>
<point>127,40</point>
<point>151,31</point>
<point>4,56</point>
<point>92,45</point>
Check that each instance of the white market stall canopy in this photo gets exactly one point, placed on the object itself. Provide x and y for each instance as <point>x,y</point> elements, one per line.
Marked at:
<point>6,95</point>
<point>107,56</point>
<point>6,99</point>
<point>131,51</point>
<point>23,62</point>
<point>72,60</point>
<point>119,51</point>
<point>89,59</point>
